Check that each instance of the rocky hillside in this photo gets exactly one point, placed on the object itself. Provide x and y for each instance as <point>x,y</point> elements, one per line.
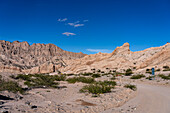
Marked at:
<point>121,59</point>
<point>20,56</point>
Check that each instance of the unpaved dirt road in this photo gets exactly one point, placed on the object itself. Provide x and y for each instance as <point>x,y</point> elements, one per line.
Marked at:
<point>150,99</point>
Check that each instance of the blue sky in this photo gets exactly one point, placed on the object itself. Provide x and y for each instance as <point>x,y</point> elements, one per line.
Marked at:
<point>87,26</point>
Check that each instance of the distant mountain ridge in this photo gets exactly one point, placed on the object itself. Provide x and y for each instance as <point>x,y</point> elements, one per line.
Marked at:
<point>121,59</point>
<point>18,56</point>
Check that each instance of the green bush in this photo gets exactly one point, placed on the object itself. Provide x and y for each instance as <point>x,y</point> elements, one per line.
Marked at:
<point>87,74</point>
<point>60,77</point>
<point>128,72</point>
<point>10,86</point>
<point>166,70</point>
<point>132,87</point>
<point>96,75</point>
<point>158,70</point>
<point>107,83</point>
<point>40,80</point>
<point>137,76</point>
<point>96,89</point>
<point>166,67</point>
<point>113,77</point>
<point>164,77</point>
<point>81,79</point>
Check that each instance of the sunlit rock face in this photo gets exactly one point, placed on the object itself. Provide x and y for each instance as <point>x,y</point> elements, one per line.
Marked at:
<point>121,59</point>
<point>36,58</point>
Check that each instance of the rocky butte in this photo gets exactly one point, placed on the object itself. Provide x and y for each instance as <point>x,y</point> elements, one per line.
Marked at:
<point>20,57</point>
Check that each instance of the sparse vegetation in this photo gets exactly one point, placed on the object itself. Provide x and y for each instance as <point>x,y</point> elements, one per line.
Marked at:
<point>40,80</point>
<point>113,77</point>
<point>107,83</point>
<point>130,86</point>
<point>81,79</point>
<point>10,86</point>
<point>96,75</point>
<point>164,77</point>
<point>128,72</point>
<point>99,87</point>
<point>166,68</point>
<point>95,89</point>
<point>137,76</point>
<point>149,71</point>
<point>150,77</point>
<point>60,77</point>
<point>87,74</point>
<point>158,70</point>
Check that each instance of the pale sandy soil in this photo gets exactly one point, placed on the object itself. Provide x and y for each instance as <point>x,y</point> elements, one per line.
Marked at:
<point>67,100</point>
<point>152,96</point>
<point>149,99</point>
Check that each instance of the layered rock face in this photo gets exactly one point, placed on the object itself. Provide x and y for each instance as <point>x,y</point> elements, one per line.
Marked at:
<point>122,58</point>
<point>35,58</point>
<point>46,58</point>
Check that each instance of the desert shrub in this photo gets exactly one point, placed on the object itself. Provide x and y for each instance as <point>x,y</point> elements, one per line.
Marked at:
<point>44,81</point>
<point>113,77</point>
<point>130,86</point>
<point>114,70</point>
<point>40,80</point>
<point>166,67</point>
<point>107,83</point>
<point>137,76</point>
<point>96,75</point>
<point>149,72</point>
<point>23,77</point>
<point>71,74</point>
<point>72,80</point>
<point>81,79</point>
<point>60,77</point>
<point>99,70</point>
<point>150,77</point>
<point>87,74</point>
<point>128,72</point>
<point>148,69</point>
<point>164,77</point>
<point>158,70</point>
<point>96,89</point>
<point>102,72</point>
<point>10,86</point>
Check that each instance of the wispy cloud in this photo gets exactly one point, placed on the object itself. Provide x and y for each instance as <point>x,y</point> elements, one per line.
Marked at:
<point>99,50</point>
<point>68,33</point>
<point>75,24</point>
<point>85,20</point>
<point>62,20</point>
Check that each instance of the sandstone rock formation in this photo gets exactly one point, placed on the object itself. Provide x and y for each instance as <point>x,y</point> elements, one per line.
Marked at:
<point>46,58</point>
<point>122,58</point>
<point>36,58</point>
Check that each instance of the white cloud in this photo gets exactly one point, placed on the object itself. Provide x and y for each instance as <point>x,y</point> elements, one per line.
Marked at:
<point>62,20</point>
<point>76,24</point>
<point>99,50</point>
<point>85,20</point>
<point>68,33</point>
